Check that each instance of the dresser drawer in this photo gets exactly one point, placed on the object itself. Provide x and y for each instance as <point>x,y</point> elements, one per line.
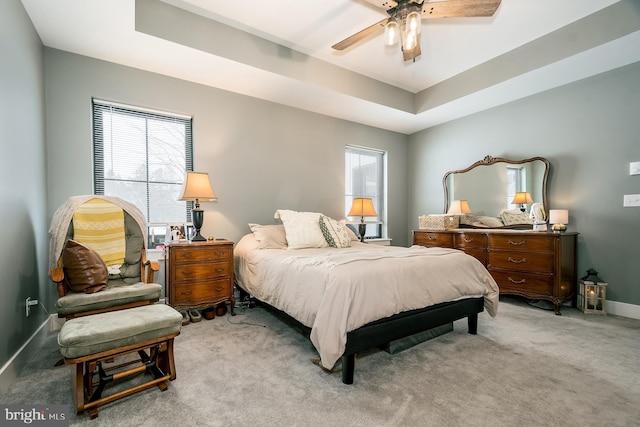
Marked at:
<point>518,283</point>
<point>201,254</point>
<point>526,243</point>
<point>185,273</point>
<point>469,240</point>
<point>478,254</point>
<point>433,239</point>
<point>521,261</point>
<point>201,292</point>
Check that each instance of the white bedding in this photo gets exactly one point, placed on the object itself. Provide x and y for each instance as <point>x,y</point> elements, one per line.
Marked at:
<point>334,291</point>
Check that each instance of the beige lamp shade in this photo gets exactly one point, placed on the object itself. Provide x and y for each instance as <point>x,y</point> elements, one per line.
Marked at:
<point>522,197</point>
<point>197,187</point>
<point>459,207</point>
<point>559,218</point>
<point>362,207</point>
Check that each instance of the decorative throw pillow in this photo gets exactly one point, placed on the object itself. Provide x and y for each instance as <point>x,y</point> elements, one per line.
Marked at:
<point>350,230</point>
<point>84,270</point>
<point>490,221</point>
<point>302,229</point>
<point>269,236</point>
<point>515,217</point>
<point>334,233</point>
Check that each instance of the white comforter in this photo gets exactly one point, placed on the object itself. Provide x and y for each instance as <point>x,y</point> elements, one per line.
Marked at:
<point>334,291</point>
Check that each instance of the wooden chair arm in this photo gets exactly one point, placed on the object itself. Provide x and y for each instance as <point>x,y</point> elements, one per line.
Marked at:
<point>151,267</point>
<point>57,276</point>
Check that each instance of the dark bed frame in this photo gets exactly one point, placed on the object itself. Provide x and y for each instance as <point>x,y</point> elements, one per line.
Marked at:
<point>401,325</point>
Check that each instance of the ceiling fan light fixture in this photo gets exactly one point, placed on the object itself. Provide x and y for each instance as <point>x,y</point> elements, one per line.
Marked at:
<point>414,22</point>
<point>409,40</point>
<point>391,32</point>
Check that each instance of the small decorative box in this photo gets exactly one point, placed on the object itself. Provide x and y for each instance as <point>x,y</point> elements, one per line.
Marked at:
<point>438,222</point>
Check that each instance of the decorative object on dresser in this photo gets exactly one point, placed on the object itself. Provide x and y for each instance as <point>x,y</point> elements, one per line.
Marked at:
<point>592,293</point>
<point>362,207</point>
<point>530,264</point>
<point>199,274</point>
<point>559,217</point>
<point>486,185</point>
<point>197,187</point>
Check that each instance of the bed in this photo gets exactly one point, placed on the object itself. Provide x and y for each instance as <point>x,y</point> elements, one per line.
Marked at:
<point>359,296</point>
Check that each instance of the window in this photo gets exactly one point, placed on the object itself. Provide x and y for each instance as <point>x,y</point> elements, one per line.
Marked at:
<point>364,177</point>
<point>141,156</point>
<point>514,184</point>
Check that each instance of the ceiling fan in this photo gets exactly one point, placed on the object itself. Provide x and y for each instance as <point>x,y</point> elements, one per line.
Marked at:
<point>405,16</point>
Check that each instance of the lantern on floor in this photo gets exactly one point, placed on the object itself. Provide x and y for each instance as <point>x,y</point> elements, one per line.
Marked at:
<point>592,294</point>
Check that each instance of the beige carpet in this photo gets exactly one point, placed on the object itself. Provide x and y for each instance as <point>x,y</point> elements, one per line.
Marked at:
<point>527,367</point>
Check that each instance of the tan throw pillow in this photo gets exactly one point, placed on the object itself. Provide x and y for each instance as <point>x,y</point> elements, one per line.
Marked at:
<point>84,270</point>
<point>269,236</point>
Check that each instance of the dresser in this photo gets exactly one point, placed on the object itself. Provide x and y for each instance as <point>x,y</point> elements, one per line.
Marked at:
<point>199,274</point>
<point>531,264</point>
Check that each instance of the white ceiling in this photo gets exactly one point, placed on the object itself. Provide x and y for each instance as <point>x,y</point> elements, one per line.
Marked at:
<point>283,52</point>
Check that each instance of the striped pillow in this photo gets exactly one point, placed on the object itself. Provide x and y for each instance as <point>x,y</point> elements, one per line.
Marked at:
<point>99,224</point>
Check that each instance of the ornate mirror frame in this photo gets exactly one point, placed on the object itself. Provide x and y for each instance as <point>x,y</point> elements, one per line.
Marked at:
<point>488,161</point>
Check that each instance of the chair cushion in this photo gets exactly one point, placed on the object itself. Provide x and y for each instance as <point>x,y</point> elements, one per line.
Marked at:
<point>97,333</point>
<point>84,270</point>
<point>116,293</point>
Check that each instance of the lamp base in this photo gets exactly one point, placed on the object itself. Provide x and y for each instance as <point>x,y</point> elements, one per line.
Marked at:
<point>362,229</point>
<point>197,215</point>
<point>559,227</point>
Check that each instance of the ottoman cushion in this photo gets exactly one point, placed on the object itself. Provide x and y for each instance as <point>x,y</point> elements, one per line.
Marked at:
<point>96,333</point>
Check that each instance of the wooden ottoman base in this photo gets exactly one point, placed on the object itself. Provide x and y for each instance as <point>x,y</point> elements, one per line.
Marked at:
<point>91,376</point>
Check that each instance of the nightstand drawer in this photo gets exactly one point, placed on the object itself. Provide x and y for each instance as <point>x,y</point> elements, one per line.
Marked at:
<point>185,273</point>
<point>201,292</point>
<point>203,254</point>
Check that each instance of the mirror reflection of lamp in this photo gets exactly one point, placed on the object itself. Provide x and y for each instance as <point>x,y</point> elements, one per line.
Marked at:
<point>521,198</point>
<point>197,187</point>
<point>362,207</point>
<point>459,207</point>
<point>559,217</point>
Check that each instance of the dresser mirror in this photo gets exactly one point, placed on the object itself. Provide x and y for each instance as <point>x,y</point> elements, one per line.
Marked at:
<point>489,186</point>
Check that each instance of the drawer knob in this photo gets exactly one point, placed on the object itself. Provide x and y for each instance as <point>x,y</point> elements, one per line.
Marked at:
<point>520,243</point>
<point>517,282</point>
<point>219,288</point>
<point>517,261</point>
<point>219,270</point>
<point>220,254</point>
<point>185,293</point>
<point>468,240</point>
<point>432,237</point>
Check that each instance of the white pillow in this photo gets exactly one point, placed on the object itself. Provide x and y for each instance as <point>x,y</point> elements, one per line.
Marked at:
<point>350,232</point>
<point>269,236</point>
<point>302,229</point>
<point>334,233</point>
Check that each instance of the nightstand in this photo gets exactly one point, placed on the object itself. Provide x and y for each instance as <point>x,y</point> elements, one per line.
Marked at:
<point>199,274</point>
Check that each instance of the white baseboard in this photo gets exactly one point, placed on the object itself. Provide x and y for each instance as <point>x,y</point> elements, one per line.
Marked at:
<point>10,371</point>
<point>623,309</point>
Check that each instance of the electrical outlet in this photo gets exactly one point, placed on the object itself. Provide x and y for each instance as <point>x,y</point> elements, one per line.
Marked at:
<point>28,303</point>
<point>631,200</point>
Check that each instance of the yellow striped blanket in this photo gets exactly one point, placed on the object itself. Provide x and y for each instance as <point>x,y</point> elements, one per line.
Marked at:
<point>99,224</point>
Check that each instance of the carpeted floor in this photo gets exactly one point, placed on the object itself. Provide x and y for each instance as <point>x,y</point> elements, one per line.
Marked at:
<point>526,367</point>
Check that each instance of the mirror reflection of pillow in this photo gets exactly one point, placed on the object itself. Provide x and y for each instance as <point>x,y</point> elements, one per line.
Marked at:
<point>489,221</point>
<point>515,217</point>
<point>84,270</point>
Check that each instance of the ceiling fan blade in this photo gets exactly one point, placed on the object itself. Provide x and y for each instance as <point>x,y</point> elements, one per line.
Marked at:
<point>459,8</point>
<point>369,31</point>
<point>384,4</point>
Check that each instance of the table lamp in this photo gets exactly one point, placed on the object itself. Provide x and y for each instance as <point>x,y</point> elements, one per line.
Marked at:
<point>559,217</point>
<point>362,207</point>
<point>521,198</point>
<point>197,187</point>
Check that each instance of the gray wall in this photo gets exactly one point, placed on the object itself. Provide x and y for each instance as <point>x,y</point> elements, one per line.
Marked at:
<point>589,131</point>
<point>260,156</point>
<point>23,253</point>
